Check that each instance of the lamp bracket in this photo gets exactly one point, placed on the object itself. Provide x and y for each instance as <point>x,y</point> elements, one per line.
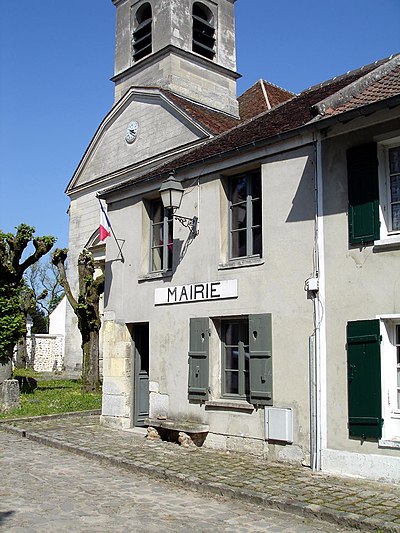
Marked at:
<point>187,222</point>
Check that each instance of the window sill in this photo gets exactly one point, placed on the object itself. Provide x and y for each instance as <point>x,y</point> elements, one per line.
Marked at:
<point>155,275</point>
<point>389,243</point>
<point>234,405</point>
<point>390,443</point>
<point>240,263</point>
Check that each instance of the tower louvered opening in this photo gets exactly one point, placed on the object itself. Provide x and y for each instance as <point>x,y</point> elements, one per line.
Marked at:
<point>142,35</point>
<point>203,31</point>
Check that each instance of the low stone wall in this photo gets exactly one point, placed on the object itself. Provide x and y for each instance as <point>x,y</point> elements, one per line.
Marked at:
<point>45,352</point>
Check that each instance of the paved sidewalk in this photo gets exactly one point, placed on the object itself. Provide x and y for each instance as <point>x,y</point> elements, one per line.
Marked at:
<point>368,506</point>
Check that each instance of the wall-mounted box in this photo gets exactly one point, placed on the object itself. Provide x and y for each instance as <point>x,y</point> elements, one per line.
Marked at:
<point>278,424</point>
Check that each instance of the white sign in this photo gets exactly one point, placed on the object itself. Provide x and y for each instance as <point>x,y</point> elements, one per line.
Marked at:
<point>196,292</point>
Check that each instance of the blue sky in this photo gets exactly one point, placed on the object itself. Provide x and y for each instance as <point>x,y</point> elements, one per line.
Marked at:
<point>57,59</point>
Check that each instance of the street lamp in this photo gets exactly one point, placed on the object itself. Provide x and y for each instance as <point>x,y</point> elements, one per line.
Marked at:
<point>171,191</point>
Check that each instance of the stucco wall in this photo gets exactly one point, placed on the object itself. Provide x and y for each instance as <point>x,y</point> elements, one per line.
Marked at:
<point>361,283</point>
<point>274,285</point>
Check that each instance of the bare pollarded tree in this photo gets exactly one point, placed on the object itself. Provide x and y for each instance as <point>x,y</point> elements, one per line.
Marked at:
<point>86,308</point>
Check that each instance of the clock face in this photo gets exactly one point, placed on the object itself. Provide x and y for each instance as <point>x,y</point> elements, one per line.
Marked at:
<point>131,132</point>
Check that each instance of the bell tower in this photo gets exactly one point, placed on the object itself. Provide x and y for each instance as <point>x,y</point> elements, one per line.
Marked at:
<point>186,46</point>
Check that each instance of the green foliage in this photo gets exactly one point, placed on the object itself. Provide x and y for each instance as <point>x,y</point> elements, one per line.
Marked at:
<point>15,297</point>
<point>39,319</point>
<point>12,321</point>
<point>55,396</point>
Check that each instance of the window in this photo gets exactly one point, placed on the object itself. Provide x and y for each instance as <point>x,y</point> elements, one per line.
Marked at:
<point>373,172</point>
<point>364,379</point>
<point>389,158</point>
<point>142,35</point>
<point>245,215</point>
<point>390,353</point>
<point>161,238</point>
<point>246,358</point>
<point>373,372</point>
<point>397,370</point>
<point>203,31</point>
<point>235,358</point>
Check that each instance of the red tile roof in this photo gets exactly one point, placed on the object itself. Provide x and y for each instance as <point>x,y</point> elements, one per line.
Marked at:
<point>260,97</point>
<point>381,89</point>
<point>286,117</point>
<point>307,107</point>
<point>214,121</point>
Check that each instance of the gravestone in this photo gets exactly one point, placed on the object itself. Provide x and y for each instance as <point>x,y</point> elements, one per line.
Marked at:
<point>9,394</point>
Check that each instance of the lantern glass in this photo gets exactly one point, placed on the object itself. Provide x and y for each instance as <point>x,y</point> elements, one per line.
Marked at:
<point>171,192</point>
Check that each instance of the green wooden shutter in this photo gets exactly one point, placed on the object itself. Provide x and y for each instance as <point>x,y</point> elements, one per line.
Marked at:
<point>364,379</point>
<point>198,359</point>
<point>260,348</point>
<point>363,191</point>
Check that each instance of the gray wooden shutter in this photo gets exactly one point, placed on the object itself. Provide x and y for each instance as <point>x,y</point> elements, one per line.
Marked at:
<point>364,379</point>
<point>198,359</point>
<point>260,348</point>
<point>363,191</point>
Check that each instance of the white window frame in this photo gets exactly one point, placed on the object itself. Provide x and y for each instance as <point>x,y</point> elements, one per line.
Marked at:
<point>390,407</point>
<point>387,235</point>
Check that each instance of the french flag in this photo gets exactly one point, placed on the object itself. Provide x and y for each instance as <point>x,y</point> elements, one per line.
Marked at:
<point>105,226</point>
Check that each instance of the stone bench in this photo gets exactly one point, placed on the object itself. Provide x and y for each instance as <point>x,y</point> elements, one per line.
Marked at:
<point>169,429</point>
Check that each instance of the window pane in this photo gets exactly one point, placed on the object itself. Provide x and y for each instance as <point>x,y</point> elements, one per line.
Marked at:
<point>239,190</point>
<point>157,259</point>
<point>157,212</point>
<point>157,234</point>
<point>395,187</point>
<point>246,358</point>
<point>256,186</point>
<point>231,358</point>
<point>239,218</point>
<point>257,241</point>
<point>232,334</point>
<point>232,382</point>
<point>257,213</point>
<point>396,217</point>
<point>394,160</point>
<point>239,243</point>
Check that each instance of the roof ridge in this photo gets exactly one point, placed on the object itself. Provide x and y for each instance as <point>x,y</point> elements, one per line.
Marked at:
<point>352,89</point>
<point>277,86</point>
<point>368,68</point>
<point>199,104</point>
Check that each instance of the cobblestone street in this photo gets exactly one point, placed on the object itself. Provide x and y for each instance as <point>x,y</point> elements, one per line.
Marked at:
<point>129,487</point>
<point>43,489</point>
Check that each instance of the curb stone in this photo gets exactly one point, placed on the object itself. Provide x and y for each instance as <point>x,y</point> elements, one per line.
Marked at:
<point>292,506</point>
<point>91,412</point>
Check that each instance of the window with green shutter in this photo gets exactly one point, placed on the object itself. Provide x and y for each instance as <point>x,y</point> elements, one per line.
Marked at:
<point>247,358</point>
<point>260,348</point>
<point>198,359</point>
<point>364,379</point>
<point>363,194</point>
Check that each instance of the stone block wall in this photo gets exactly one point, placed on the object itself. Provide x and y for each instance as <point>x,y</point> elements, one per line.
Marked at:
<point>45,352</point>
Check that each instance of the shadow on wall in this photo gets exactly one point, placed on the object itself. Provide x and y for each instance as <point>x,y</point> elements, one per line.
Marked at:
<point>303,203</point>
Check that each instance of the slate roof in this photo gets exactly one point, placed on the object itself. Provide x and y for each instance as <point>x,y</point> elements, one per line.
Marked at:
<point>360,87</point>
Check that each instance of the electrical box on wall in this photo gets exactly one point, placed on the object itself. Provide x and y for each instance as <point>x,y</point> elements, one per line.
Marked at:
<point>278,424</point>
<point>312,285</point>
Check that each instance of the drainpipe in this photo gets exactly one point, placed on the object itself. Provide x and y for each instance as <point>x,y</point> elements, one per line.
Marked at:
<point>318,382</point>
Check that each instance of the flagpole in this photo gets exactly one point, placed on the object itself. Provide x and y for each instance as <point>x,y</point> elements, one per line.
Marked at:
<point>112,231</point>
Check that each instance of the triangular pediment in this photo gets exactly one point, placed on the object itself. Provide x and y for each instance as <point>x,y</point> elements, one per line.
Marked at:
<point>141,130</point>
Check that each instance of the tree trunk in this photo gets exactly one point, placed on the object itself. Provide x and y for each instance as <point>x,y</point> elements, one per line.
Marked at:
<point>90,369</point>
<point>21,355</point>
<point>5,366</point>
